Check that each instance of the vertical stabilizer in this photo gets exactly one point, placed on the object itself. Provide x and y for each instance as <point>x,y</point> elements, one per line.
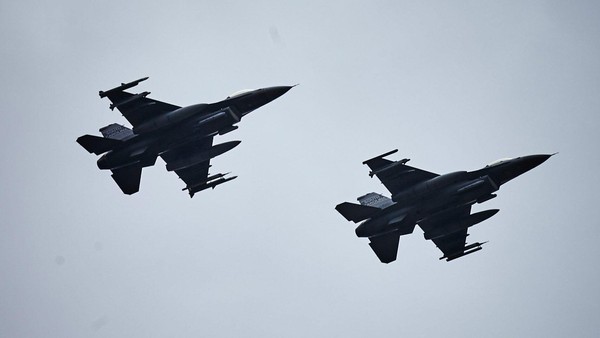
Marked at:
<point>375,200</point>
<point>116,132</point>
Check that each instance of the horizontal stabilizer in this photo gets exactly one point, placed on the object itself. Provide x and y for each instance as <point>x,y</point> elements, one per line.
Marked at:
<point>356,212</point>
<point>96,144</point>
<point>385,246</point>
<point>128,178</point>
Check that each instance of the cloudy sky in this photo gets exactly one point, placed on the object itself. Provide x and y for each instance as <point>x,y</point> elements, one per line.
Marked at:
<point>453,85</point>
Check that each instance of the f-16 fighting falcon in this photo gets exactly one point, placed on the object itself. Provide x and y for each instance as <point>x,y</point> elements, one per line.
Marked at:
<point>181,136</point>
<point>439,204</point>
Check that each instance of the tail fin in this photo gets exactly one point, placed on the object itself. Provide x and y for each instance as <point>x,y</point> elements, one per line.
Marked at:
<point>356,212</point>
<point>116,132</point>
<point>97,145</point>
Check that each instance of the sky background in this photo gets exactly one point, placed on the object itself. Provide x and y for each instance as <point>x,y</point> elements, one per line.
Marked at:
<point>453,85</point>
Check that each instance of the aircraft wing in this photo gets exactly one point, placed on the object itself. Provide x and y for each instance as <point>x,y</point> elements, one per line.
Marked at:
<point>448,231</point>
<point>184,161</point>
<point>137,108</point>
<point>396,175</point>
<point>195,173</point>
<point>453,244</point>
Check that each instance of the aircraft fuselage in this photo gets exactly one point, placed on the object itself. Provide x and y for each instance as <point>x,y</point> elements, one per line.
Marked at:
<point>443,193</point>
<point>184,125</point>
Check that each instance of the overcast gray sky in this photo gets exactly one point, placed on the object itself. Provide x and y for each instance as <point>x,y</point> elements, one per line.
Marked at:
<point>453,85</point>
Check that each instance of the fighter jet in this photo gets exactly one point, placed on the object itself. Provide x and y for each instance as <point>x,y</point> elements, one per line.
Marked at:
<point>439,204</point>
<point>181,136</point>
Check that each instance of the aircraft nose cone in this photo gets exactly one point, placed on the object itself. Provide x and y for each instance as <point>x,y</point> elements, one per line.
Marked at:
<point>259,98</point>
<point>272,93</point>
<point>522,165</point>
<point>517,167</point>
<point>532,161</point>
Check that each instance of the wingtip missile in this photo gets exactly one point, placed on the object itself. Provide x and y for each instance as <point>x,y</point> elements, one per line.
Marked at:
<point>209,184</point>
<point>469,249</point>
<point>205,181</point>
<point>381,156</point>
<point>223,180</point>
<point>451,258</point>
<point>389,167</point>
<point>122,87</point>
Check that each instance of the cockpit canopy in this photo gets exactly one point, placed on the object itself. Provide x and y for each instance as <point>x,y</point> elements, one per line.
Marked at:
<point>240,93</point>
<point>496,162</point>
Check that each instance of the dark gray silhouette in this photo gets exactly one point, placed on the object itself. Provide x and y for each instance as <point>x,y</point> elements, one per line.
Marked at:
<point>441,205</point>
<point>182,136</point>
